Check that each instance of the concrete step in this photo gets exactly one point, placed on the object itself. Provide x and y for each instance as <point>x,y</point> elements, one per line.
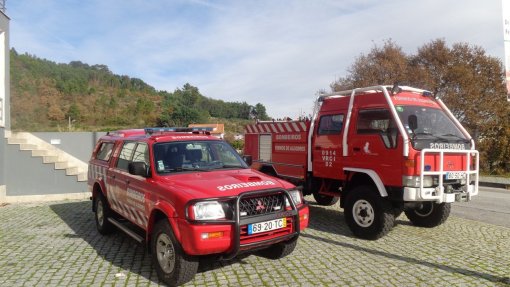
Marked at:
<point>73,170</point>
<point>62,165</point>
<point>82,176</point>
<point>27,146</point>
<point>50,159</point>
<point>17,141</point>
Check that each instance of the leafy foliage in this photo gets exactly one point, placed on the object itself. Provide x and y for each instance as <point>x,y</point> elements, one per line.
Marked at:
<point>49,96</point>
<point>470,83</point>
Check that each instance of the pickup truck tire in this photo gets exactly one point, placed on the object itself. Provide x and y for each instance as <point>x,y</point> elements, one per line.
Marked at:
<point>280,250</point>
<point>325,200</point>
<point>368,215</point>
<point>103,212</point>
<point>429,214</point>
<point>172,265</point>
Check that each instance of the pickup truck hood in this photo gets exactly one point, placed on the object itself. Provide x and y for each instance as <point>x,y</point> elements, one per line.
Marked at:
<point>221,183</point>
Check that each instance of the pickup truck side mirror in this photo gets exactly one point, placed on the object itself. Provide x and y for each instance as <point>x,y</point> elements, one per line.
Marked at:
<point>138,168</point>
<point>248,159</point>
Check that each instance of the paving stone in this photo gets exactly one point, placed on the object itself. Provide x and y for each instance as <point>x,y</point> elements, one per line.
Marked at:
<point>56,244</point>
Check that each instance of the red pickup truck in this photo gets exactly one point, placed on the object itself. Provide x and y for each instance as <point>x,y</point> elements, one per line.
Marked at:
<point>186,194</point>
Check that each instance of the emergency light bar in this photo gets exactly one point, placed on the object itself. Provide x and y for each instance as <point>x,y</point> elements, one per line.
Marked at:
<point>150,131</point>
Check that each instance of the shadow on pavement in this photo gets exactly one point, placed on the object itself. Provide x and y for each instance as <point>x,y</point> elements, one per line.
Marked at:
<point>120,249</point>
<point>466,272</point>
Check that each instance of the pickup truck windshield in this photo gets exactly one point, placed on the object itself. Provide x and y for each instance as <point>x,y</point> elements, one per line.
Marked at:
<point>431,128</point>
<point>171,157</point>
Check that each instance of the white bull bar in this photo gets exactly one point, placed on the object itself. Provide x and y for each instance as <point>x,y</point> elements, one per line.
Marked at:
<point>438,193</point>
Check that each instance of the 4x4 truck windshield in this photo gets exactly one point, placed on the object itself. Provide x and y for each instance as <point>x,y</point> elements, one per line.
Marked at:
<point>432,128</point>
<point>171,157</point>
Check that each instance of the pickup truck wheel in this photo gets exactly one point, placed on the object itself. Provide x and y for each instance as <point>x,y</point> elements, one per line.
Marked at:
<point>429,214</point>
<point>103,212</point>
<point>173,266</point>
<point>368,215</point>
<point>280,250</point>
<point>325,200</point>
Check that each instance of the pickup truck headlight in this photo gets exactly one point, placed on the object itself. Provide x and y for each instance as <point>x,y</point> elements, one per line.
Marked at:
<point>296,197</point>
<point>208,210</point>
<point>414,181</point>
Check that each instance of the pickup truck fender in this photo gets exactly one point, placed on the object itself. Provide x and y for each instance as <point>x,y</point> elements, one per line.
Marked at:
<point>373,175</point>
<point>163,209</point>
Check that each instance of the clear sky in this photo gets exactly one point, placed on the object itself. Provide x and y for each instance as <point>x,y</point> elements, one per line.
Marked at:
<point>275,52</point>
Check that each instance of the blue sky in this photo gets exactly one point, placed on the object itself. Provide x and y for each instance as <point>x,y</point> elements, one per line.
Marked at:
<point>278,53</point>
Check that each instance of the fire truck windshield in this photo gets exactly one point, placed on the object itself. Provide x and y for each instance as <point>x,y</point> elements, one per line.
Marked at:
<point>431,128</point>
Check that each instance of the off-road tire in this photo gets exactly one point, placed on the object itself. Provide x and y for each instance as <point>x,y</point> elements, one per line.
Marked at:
<point>173,266</point>
<point>280,250</point>
<point>101,215</point>
<point>325,200</point>
<point>430,214</point>
<point>368,215</point>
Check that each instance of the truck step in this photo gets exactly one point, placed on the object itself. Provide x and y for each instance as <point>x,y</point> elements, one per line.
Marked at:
<point>126,229</point>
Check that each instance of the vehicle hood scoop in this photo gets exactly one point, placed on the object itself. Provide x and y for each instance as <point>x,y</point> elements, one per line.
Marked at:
<point>246,177</point>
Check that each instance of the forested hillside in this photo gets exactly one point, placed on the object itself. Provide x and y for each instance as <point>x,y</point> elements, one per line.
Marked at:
<point>47,96</point>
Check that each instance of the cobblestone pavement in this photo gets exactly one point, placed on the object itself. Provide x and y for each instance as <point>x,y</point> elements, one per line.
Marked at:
<point>56,244</point>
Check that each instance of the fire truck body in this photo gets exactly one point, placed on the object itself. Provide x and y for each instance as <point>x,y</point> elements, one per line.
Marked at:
<point>381,150</point>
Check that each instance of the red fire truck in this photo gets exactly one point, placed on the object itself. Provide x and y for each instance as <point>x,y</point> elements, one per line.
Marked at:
<point>381,150</point>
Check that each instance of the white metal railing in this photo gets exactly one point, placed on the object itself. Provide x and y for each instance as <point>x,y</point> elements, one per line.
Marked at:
<point>441,173</point>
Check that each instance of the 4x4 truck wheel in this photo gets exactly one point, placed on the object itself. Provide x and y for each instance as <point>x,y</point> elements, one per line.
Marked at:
<point>173,266</point>
<point>103,212</point>
<point>429,214</point>
<point>368,215</point>
<point>325,200</point>
<point>280,250</point>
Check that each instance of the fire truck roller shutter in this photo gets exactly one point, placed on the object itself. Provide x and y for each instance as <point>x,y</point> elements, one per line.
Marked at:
<point>373,175</point>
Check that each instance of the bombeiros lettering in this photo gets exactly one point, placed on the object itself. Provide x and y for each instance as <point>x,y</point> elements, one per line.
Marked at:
<point>460,146</point>
<point>245,184</point>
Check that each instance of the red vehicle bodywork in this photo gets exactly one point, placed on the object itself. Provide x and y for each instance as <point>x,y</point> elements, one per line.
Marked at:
<point>367,137</point>
<point>143,200</point>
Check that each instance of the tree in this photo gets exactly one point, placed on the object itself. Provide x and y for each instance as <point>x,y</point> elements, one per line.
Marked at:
<point>470,83</point>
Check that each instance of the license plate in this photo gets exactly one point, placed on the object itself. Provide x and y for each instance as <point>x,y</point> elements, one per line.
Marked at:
<point>455,175</point>
<point>267,226</point>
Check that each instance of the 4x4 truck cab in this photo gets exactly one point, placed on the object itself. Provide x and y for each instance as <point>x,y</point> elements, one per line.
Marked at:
<point>188,194</point>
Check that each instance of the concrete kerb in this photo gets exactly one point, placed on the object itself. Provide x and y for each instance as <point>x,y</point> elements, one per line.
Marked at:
<point>493,181</point>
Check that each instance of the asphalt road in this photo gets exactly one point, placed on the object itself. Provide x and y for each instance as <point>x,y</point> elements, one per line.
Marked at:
<point>491,205</point>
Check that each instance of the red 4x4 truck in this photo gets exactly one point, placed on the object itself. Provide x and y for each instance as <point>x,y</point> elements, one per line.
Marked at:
<point>186,194</point>
<point>380,150</point>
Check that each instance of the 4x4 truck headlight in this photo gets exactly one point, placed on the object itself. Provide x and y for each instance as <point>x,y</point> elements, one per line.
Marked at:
<point>414,181</point>
<point>296,197</point>
<point>208,210</point>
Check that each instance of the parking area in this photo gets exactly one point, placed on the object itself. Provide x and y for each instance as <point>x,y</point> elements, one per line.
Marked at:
<point>56,244</point>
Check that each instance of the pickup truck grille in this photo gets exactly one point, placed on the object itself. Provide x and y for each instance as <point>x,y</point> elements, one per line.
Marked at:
<point>262,205</point>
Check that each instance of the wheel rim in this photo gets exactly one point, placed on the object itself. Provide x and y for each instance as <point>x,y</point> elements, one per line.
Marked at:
<point>363,213</point>
<point>166,253</point>
<point>100,212</point>
<point>425,209</point>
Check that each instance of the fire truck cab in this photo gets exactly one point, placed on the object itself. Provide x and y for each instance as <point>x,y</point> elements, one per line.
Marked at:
<point>381,150</point>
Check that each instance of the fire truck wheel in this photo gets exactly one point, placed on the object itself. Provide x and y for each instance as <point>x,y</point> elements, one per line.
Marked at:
<point>280,250</point>
<point>429,214</point>
<point>325,200</point>
<point>173,266</point>
<point>103,212</point>
<point>368,215</point>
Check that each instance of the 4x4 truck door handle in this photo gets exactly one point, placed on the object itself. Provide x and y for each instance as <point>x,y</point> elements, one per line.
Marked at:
<point>356,149</point>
